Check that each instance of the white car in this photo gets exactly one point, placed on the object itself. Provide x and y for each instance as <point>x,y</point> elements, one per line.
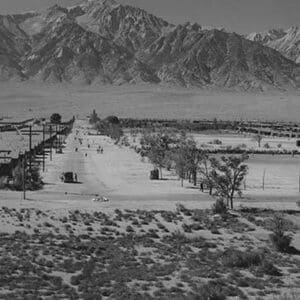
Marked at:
<point>100,199</point>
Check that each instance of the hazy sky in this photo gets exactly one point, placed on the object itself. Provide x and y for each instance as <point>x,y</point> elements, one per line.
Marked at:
<point>236,15</point>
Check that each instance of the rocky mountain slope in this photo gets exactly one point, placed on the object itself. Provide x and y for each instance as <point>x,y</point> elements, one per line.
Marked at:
<point>101,41</point>
<point>14,44</point>
<point>287,42</point>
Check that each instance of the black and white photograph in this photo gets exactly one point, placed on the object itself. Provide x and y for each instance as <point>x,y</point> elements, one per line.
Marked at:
<point>150,149</point>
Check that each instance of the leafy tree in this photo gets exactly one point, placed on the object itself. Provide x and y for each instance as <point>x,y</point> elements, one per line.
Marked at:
<point>187,158</point>
<point>228,175</point>
<point>17,175</point>
<point>157,147</point>
<point>194,157</point>
<point>55,118</point>
<point>258,138</point>
<point>94,117</point>
<point>114,131</point>
<point>180,160</point>
<point>113,120</point>
<point>206,172</point>
<point>33,180</point>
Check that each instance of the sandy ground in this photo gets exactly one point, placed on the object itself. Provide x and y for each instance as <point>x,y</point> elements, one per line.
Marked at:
<point>120,175</point>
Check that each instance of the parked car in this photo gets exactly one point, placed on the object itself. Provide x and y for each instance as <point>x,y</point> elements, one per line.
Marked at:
<point>67,177</point>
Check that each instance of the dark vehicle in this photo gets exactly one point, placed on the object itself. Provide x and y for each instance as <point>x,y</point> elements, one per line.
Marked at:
<point>67,177</point>
<point>154,174</point>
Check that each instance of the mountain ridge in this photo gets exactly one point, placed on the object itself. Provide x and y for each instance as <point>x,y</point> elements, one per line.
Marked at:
<point>287,42</point>
<point>104,42</point>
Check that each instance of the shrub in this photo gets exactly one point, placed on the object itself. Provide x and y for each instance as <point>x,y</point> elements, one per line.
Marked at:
<point>3,182</point>
<point>186,228</point>
<point>215,142</point>
<point>211,290</point>
<point>238,259</point>
<point>269,269</point>
<point>242,146</point>
<point>219,207</point>
<point>279,225</point>
<point>281,242</point>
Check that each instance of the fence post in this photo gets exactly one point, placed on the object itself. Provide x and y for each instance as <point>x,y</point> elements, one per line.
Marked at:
<point>263,181</point>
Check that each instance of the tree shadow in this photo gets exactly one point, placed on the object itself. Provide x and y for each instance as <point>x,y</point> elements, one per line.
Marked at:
<point>293,250</point>
<point>165,179</point>
<point>193,188</point>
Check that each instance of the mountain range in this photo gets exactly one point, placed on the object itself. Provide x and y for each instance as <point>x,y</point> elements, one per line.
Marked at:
<point>103,42</point>
<point>287,42</point>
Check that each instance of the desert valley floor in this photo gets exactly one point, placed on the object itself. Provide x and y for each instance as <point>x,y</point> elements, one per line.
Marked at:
<point>145,101</point>
<point>152,239</point>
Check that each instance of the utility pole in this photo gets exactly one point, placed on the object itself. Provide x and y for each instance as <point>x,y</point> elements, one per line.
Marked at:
<point>30,147</point>
<point>51,143</point>
<point>43,147</point>
<point>56,138</point>
<point>24,176</point>
<point>47,129</point>
<point>59,137</point>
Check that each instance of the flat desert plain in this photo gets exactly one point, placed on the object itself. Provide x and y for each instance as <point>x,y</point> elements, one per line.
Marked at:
<point>144,101</point>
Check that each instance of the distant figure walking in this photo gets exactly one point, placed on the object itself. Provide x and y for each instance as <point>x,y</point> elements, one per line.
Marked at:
<point>75,177</point>
<point>202,187</point>
<point>86,155</point>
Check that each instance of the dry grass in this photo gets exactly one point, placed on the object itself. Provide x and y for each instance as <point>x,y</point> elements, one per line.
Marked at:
<point>138,255</point>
